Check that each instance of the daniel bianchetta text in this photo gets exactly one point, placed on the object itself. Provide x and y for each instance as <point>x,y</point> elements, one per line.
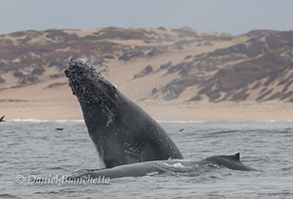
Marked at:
<point>61,179</point>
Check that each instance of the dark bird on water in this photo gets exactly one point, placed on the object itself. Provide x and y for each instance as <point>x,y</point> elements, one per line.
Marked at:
<point>2,119</point>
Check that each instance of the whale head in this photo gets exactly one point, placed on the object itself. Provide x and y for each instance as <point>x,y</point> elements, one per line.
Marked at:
<point>97,96</point>
<point>86,83</point>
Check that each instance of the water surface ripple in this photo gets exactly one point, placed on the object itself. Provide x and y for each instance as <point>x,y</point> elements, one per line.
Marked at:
<point>38,149</point>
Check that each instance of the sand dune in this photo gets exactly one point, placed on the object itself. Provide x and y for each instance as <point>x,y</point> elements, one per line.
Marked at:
<point>32,84</point>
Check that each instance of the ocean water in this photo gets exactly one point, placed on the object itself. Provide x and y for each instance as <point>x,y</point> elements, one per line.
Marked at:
<point>31,150</point>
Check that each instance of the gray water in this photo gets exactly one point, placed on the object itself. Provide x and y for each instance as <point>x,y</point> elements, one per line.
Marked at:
<point>36,149</point>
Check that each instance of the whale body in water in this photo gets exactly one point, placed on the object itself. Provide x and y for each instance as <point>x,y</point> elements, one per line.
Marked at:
<point>145,168</point>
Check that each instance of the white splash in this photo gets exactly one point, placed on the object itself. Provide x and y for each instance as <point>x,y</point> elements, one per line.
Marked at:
<point>177,165</point>
<point>83,59</point>
<point>152,173</point>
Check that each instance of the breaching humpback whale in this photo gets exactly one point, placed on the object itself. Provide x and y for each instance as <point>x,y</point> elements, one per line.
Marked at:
<point>127,139</point>
<point>122,132</point>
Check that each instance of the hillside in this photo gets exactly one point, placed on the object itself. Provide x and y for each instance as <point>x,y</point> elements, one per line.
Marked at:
<point>151,65</point>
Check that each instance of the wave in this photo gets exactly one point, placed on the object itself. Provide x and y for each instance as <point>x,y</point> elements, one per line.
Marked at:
<point>68,121</point>
<point>159,121</point>
<point>180,121</point>
<point>27,120</point>
<point>81,120</point>
<point>38,121</point>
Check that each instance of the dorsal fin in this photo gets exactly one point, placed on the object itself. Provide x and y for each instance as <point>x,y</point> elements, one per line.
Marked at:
<point>236,156</point>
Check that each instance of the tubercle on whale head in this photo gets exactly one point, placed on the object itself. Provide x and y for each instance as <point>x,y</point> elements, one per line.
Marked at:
<point>88,85</point>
